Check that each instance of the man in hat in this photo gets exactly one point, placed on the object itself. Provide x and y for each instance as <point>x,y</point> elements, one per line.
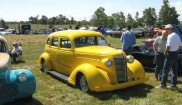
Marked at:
<point>171,58</point>
<point>16,51</point>
<point>159,46</point>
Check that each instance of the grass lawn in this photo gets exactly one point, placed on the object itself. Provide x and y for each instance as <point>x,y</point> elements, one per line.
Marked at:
<point>51,91</point>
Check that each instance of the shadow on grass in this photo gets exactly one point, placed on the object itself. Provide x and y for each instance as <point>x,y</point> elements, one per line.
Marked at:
<point>22,102</point>
<point>18,62</point>
<point>139,91</point>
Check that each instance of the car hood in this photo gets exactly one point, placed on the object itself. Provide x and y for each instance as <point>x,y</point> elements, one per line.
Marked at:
<point>99,50</point>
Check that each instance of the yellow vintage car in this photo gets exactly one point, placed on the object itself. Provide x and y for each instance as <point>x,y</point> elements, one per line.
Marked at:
<point>83,58</point>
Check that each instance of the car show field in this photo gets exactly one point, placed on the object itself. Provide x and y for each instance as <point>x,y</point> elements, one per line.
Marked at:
<point>51,91</point>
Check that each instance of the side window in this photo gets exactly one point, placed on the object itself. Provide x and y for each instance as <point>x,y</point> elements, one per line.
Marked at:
<point>101,41</point>
<point>54,41</point>
<point>91,40</point>
<point>2,46</point>
<point>65,43</point>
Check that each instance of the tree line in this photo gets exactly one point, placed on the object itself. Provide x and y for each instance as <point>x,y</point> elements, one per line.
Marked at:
<point>167,14</point>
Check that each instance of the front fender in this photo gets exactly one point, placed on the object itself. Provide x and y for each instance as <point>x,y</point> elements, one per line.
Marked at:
<point>96,77</point>
<point>136,69</point>
<point>26,88</point>
<point>46,58</point>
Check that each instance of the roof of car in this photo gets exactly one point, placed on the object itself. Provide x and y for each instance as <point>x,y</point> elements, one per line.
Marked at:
<point>75,33</point>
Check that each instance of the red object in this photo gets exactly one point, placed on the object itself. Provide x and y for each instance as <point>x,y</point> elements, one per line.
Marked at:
<point>149,42</point>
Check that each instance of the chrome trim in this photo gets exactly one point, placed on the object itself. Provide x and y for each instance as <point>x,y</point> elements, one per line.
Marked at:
<point>121,68</point>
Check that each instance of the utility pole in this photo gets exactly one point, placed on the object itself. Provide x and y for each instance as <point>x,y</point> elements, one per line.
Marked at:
<point>37,20</point>
<point>1,22</point>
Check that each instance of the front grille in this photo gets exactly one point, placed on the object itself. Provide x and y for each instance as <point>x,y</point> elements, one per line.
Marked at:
<point>121,68</point>
<point>7,91</point>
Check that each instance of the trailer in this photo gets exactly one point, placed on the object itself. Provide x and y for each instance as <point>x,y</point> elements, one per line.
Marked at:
<point>24,28</point>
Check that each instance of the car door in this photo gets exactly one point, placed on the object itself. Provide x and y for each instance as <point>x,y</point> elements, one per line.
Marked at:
<point>52,49</point>
<point>65,56</point>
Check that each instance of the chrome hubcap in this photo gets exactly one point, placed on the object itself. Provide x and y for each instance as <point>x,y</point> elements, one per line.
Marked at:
<point>84,84</point>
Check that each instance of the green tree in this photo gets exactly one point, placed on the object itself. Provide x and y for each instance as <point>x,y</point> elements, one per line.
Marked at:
<point>51,26</point>
<point>33,20</point>
<point>2,24</point>
<point>141,22</point>
<point>44,19</point>
<point>61,19</point>
<point>149,16</point>
<point>119,19</point>
<point>130,21</point>
<point>99,17</point>
<point>72,21</point>
<point>167,14</point>
<point>137,18</point>
<point>110,22</point>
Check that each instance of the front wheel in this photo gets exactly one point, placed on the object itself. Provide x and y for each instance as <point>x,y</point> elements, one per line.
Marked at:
<point>83,85</point>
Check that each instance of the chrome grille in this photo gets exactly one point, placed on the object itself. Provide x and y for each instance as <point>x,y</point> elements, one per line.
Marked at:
<point>121,68</point>
<point>7,91</point>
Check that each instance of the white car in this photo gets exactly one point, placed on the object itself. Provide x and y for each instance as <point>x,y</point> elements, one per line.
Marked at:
<point>5,32</point>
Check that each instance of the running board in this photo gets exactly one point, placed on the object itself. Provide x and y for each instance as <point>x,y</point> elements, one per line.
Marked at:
<point>58,75</point>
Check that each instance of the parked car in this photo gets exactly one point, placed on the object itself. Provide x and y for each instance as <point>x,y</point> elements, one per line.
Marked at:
<point>115,32</point>
<point>4,32</point>
<point>146,55</point>
<point>138,32</point>
<point>14,84</point>
<point>82,58</point>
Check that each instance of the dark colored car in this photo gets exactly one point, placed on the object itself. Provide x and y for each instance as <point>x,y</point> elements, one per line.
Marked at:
<point>146,55</point>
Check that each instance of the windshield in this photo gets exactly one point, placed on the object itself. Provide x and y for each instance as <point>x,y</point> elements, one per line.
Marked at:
<point>2,46</point>
<point>89,41</point>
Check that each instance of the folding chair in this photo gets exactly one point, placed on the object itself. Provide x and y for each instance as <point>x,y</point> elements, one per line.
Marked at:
<point>20,57</point>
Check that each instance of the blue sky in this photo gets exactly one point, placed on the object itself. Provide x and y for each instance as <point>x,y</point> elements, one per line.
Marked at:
<point>21,10</point>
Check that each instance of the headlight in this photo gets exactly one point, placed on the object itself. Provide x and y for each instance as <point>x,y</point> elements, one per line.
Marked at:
<point>130,59</point>
<point>108,62</point>
<point>22,77</point>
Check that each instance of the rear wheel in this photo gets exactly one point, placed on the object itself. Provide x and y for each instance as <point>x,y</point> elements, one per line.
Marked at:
<point>43,68</point>
<point>83,85</point>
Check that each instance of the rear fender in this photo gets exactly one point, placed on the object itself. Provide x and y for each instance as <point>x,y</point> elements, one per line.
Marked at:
<point>46,58</point>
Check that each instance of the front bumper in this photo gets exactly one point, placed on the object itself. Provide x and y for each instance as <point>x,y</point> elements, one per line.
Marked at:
<point>120,85</point>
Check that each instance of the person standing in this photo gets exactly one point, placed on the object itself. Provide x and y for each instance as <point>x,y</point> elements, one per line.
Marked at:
<point>171,59</point>
<point>103,31</point>
<point>159,46</point>
<point>128,39</point>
